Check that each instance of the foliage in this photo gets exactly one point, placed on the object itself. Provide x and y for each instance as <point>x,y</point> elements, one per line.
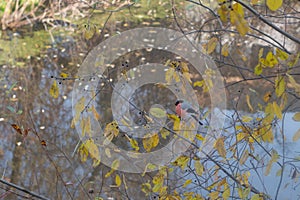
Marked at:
<point>245,155</point>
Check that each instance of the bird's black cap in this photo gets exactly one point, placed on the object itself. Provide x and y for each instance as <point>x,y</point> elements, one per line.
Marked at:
<point>178,102</point>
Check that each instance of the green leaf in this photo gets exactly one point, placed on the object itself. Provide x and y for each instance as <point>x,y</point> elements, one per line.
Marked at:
<point>158,112</point>
<point>11,109</point>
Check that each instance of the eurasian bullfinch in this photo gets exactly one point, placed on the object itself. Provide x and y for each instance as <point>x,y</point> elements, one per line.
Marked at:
<point>185,109</point>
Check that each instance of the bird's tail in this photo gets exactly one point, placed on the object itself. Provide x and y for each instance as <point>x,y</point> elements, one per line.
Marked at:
<point>197,120</point>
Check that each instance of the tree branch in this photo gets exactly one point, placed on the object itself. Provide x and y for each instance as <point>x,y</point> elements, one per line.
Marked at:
<point>291,37</point>
<point>23,189</point>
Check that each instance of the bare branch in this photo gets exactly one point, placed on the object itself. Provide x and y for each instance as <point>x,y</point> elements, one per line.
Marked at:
<point>23,189</point>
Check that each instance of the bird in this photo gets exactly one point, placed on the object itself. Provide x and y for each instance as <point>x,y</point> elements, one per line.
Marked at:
<point>185,109</point>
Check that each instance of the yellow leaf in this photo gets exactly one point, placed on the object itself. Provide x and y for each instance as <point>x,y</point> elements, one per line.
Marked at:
<point>214,195</point>
<point>158,112</point>
<point>211,45</point>
<point>296,116</point>
<point>240,136</point>
<point>187,76</point>
<point>243,193</point>
<point>271,60</point>
<point>274,158</point>
<point>134,144</point>
<point>157,187</point>
<point>254,2</point>
<point>95,113</point>
<point>187,182</point>
<point>89,31</point>
<point>269,113</point>
<point>83,152</point>
<point>198,167</point>
<point>181,161</point>
<point>79,106</point>
<point>260,52</point>
<point>274,4</point>
<point>296,136</point>
<point>281,54</point>
<point>258,69</point>
<point>124,181</point>
<point>267,133</point>
<point>184,67</point>
<point>198,83</point>
<point>111,128</point>
<point>147,143</point>
<point>294,60</point>
<point>54,91</point>
<point>256,197</point>
<point>226,192</point>
<point>150,142</point>
<point>200,137</point>
<point>237,19</point>
<point>85,126</point>
<point>173,117</point>
<point>238,8</point>
<point>294,84</point>
<point>176,126</point>
<point>277,110</point>
<point>146,188</point>
<point>118,180</point>
<point>169,75</point>
<point>64,75</point>
<point>149,166</point>
<point>108,174</point>
<point>224,50</point>
<point>115,165</point>
<point>248,103</point>
<point>246,119</point>
<point>222,11</point>
<point>279,86</point>
<point>279,172</point>
<point>92,149</point>
<point>107,152</point>
<point>174,64</point>
<point>219,145</point>
<point>155,140</point>
<point>267,96</point>
<point>164,133</point>
<point>244,157</point>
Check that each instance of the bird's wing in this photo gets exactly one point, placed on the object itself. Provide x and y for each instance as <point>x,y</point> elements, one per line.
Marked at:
<point>191,110</point>
<point>188,108</point>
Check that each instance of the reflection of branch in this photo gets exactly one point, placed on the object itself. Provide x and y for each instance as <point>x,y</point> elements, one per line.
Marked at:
<point>280,46</point>
<point>33,194</point>
<point>297,40</point>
